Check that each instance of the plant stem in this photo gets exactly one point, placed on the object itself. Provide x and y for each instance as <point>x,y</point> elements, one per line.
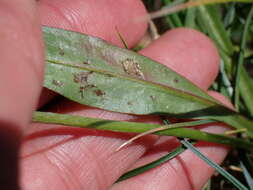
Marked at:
<point>118,126</point>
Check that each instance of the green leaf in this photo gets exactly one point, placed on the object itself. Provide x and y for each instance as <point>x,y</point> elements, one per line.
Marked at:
<point>247,175</point>
<point>215,28</point>
<point>90,71</point>
<point>152,165</point>
<point>190,18</point>
<point>218,168</point>
<point>132,127</point>
<point>211,23</point>
<point>241,58</point>
<point>172,20</point>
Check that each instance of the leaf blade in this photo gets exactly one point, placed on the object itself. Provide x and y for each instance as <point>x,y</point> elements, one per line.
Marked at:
<point>117,126</point>
<point>88,70</point>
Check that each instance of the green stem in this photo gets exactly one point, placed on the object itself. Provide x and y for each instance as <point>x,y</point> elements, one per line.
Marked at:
<point>241,58</point>
<point>118,126</point>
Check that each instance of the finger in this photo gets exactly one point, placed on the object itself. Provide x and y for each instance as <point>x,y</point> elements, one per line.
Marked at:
<point>186,171</point>
<point>221,99</point>
<point>189,53</point>
<point>21,79</point>
<point>96,18</point>
<point>97,148</point>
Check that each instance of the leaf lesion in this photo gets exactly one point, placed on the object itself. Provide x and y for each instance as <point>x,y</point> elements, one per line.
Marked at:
<point>82,79</point>
<point>131,67</point>
<point>57,83</point>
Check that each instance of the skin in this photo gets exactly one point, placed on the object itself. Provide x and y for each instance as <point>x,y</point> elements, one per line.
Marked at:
<point>57,157</point>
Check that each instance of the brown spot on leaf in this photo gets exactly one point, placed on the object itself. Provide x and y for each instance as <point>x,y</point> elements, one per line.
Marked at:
<point>57,83</point>
<point>81,90</point>
<point>108,75</point>
<point>129,103</point>
<point>87,47</point>
<point>90,86</point>
<point>152,97</point>
<point>81,77</point>
<point>61,52</point>
<point>176,80</point>
<point>99,92</point>
<point>87,62</point>
<point>132,68</point>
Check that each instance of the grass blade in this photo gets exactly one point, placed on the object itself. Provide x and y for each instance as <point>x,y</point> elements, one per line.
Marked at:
<point>190,19</point>
<point>151,165</point>
<point>83,122</point>
<point>219,169</point>
<point>173,20</point>
<point>215,28</point>
<point>241,58</point>
<point>247,175</point>
<point>165,127</point>
<point>190,4</point>
<point>246,90</point>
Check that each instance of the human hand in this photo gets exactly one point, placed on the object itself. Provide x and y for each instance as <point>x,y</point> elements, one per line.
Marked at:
<point>56,157</point>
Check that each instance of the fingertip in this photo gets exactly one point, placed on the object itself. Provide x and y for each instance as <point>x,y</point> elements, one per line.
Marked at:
<point>22,59</point>
<point>221,98</point>
<point>97,18</point>
<point>21,74</point>
<point>189,53</point>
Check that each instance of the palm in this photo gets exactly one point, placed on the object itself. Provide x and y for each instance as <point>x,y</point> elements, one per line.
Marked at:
<point>56,157</point>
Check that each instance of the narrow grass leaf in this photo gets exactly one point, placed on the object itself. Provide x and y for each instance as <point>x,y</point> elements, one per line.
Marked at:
<point>229,15</point>
<point>173,20</point>
<point>207,186</point>
<point>246,158</point>
<point>247,175</point>
<point>190,4</point>
<point>219,169</point>
<point>225,84</point>
<point>117,126</point>
<point>121,38</point>
<point>218,33</point>
<point>151,165</point>
<point>165,127</point>
<point>215,27</point>
<point>190,18</point>
<point>241,58</point>
<point>246,90</point>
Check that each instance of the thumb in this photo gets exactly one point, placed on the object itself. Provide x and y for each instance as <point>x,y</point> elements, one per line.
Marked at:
<point>20,80</point>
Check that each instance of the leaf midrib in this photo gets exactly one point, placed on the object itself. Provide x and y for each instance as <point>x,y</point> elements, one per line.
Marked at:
<point>171,90</point>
